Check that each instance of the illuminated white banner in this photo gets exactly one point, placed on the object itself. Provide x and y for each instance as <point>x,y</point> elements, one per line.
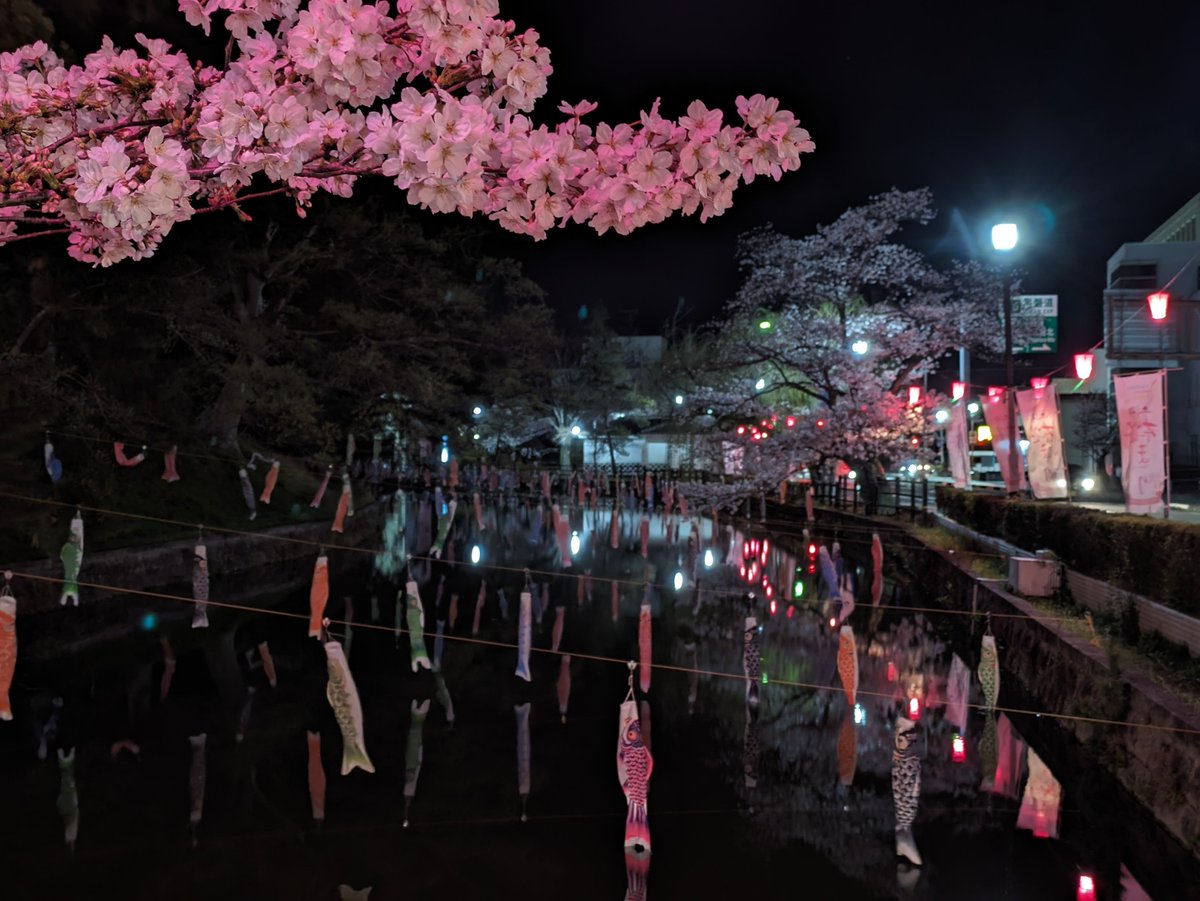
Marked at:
<point>1039,415</point>
<point>956,445</point>
<point>1143,453</point>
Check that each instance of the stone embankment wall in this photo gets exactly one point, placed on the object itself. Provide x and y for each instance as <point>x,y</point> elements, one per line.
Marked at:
<point>1060,671</point>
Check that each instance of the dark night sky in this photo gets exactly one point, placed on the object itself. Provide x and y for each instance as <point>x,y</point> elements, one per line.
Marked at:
<point>1078,116</point>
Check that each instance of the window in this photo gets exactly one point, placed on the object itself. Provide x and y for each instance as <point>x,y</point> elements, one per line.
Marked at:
<point>1135,276</point>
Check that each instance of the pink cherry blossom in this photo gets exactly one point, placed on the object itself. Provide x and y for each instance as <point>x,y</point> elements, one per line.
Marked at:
<point>434,95</point>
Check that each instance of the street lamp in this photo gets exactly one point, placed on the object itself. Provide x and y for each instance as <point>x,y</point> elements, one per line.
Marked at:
<point>1004,239</point>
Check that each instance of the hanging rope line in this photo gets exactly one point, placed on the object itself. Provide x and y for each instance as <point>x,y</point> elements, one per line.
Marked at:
<point>599,658</point>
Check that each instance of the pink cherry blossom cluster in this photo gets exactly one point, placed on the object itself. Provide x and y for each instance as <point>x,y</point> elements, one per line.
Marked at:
<point>117,150</point>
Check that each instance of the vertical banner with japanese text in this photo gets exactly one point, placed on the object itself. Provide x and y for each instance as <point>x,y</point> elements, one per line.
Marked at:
<point>956,445</point>
<point>1143,452</point>
<point>995,414</point>
<point>1040,416</point>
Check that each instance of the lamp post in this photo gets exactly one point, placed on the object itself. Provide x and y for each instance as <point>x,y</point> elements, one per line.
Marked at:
<point>1004,239</point>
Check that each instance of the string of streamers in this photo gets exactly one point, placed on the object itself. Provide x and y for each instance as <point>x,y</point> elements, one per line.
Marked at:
<point>528,470</point>
<point>599,658</point>
<point>548,574</point>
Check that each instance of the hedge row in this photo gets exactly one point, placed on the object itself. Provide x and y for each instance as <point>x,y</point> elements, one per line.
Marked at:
<point>1155,558</point>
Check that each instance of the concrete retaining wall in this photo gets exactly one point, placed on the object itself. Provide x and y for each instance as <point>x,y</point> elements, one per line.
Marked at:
<point>1062,672</point>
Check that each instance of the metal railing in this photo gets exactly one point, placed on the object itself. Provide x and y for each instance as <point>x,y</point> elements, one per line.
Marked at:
<point>890,497</point>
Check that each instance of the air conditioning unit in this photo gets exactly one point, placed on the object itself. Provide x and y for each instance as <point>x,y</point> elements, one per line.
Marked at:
<point>1033,576</point>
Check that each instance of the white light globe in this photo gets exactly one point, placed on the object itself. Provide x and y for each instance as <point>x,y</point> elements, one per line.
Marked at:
<point>1004,235</point>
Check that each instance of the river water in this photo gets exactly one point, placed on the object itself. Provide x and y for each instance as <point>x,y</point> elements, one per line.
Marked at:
<point>759,788</point>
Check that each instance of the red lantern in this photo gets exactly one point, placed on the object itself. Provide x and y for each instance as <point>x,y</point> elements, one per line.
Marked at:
<point>958,749</point>
<point>1083,366</point>
<point>914,395</point>
<point>741,430</point>
<point>994,391</point>
<point>774,607</point>
<point>1087,888</point>
<point>958,390</point>
<point>790,422</point>
<point>1158,304</point>
<point>914,708</point>
<point>820,423</point>
<point>1039,382</point>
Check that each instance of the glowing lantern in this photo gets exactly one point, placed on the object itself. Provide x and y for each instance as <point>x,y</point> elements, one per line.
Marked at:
<point>774,607</point>
<point>832,622</point>
<point>983,433</point>
<point>812,550</point>
<point>1087,888</point>
<point>958,749</point>
<point>914,395</point>
<point>914,708</point>
<point>790,611</point>
<point>995,392</point>
<point>1039,382</point>
<point>1158,304</point>
<point>790,422</point>
<point>770,590</point>
<point>958,390</point>
<point>709,560</point>
<point>820,423</point>
<point>891,672</point>
<point>1083,366</point>
<point>741,430</point>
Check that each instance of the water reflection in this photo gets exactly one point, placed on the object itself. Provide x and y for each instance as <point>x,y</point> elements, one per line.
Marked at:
<point>798,752</point>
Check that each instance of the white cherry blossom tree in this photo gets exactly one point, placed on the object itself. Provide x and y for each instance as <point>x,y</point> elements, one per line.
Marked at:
<point>814,357</point>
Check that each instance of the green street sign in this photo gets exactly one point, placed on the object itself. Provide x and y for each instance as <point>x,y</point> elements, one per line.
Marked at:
<point>1035,316</point>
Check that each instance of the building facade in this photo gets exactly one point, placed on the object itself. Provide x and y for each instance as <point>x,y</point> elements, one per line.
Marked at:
<point>1167,260</point>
